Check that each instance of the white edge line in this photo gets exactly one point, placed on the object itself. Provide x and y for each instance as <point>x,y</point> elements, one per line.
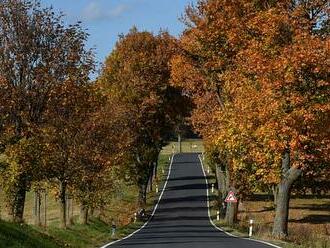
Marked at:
<point>211,221</point>
<point>153,212</point>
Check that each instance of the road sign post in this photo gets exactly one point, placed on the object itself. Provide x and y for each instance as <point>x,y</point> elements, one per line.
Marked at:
<point>231,197</point>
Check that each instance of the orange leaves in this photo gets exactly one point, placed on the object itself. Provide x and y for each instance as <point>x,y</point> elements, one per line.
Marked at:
<point>135,81</point>
<point>268,70</point>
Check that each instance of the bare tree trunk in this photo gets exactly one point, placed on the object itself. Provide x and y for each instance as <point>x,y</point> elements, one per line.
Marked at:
<point>289,175</point>
<point>92,211</point>
<point>275,192</point>
<point>232,208</point>
<point>155,170</point>
<point>179,143</point>
<point>83,218</point>
<point>45,208</point>
<point>1,206</point>
<point>63,209</point>
<point>222,187</point>
<point>231,213</point>
<point>150,180</point>
<point>142,196</point>
<point>69,211</point>
<point>19,201</point>
<point>37,208</point>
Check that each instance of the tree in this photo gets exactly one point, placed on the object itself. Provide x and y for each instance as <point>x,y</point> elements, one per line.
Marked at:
<point>257,73</point>
<point>101,149</point>
<point>64,137</point>
<point>200,68</point>
<point>137,75</point>
<point>37,54</point>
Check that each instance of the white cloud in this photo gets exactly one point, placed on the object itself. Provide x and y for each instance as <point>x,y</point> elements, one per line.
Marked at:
<point>94,11</point>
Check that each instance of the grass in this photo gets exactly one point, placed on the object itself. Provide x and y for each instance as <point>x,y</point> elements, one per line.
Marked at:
<point>309,224</point>
<point>121,209</point>
<point>188,145</point>
<point>309,219</point>
<point>19,236</point>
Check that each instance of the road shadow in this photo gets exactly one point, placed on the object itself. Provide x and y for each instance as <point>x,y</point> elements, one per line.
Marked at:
<point>190,178</point>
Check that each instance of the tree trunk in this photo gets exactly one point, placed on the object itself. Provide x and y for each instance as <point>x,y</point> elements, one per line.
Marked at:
<point>231,213</point>
<point>142,196</point>
<point>45,208</point>
<point>37,208</point>
<point>289,175</point>
<point>150,180</point>
<point>222,187</point>
<point>275,192</point>
<point>19,201</point>
<point>69,211</point>
<point>155,169</point>
<point>63,217</point>
<point>179,143</point>
<point>83,218</point>
<point>92,211</point>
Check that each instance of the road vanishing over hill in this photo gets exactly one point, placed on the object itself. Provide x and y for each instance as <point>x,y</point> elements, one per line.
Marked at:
<point>181,218</point>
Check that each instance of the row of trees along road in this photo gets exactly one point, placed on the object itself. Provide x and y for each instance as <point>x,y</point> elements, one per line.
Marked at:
<point>258,73</point>
<point>60,129</point>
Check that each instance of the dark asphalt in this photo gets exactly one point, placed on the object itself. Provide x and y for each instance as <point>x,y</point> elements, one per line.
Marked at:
<point>181,219</point>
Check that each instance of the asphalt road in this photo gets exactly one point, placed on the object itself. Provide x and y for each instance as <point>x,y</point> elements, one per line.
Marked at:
<point>181,219</point>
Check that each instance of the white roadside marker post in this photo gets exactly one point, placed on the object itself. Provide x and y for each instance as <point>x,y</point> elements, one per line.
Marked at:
<point>218,215</point>
<point>250,228</point>
<point>113,229</point>
<point>156,188</point>
<point>208,170</point>
<point>212,187</point>
<point>135,217</point>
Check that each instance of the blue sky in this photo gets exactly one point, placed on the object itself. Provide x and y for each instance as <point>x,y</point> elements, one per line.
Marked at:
<point>106,19</point>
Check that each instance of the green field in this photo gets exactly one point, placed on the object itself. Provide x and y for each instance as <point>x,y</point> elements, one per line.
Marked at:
<point>96,233</point>
<point>307,216</point>
<point>188,145</point>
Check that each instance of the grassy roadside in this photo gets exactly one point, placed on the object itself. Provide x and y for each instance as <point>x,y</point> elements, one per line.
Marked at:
<point>309,220</point>
<point>95,234</point>
<point>17,236</point>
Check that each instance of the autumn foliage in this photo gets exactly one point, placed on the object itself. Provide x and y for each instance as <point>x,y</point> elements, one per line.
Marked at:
<point>136,75</point>
<point>254,75</point>
<point>258,72</point>
<point>62,132</point>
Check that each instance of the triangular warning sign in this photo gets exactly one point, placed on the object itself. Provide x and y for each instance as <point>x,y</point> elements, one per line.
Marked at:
<point>231,197</point>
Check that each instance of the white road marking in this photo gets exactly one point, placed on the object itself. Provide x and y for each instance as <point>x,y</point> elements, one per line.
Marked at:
<point>153,212</point>
<point>209,214</point>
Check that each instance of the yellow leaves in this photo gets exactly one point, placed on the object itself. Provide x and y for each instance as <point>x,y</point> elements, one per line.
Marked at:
<point>271,76</point>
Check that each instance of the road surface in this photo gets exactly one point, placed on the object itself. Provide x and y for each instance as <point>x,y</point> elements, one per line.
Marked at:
<point>181,218</point>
